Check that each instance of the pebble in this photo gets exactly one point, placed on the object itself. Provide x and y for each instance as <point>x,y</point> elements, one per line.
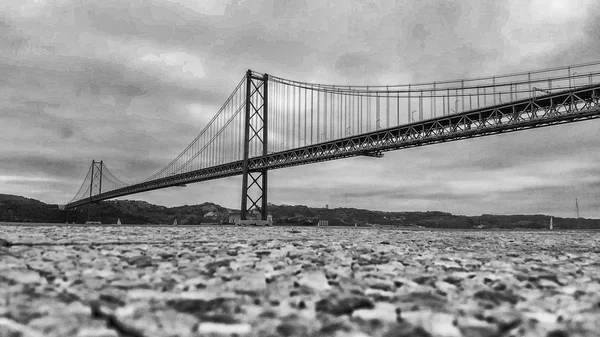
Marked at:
<point>98,332</point>
<point>445,287</point>
<point>343,306</point>
<point>11,328</point>
<point>5,243</point>
<point>315,280</point>
<point>140,261</point>
<point>436,324</point>
<point>382,311</point>
<point>471,327</point>
<point>224,329</point>
<point>23,276</point>
<point>497,297</point>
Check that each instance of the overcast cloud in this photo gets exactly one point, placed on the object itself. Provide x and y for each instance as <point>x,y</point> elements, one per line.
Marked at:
<point>133,82</point>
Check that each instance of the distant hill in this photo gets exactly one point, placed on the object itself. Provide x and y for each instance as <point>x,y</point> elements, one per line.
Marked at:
<point>303,215</point>
<point>21,209</point>
<point>141,212</point>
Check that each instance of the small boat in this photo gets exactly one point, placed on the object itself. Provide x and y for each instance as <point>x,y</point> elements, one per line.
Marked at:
<point>175,222</point>
<point>118,221</point>
<point>551,224</point>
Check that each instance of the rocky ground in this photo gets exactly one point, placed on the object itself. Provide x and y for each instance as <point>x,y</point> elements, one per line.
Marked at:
<point>203,281</point>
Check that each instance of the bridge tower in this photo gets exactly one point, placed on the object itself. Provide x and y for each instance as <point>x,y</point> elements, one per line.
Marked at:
<point>95,185</point>
<point>254,181</point>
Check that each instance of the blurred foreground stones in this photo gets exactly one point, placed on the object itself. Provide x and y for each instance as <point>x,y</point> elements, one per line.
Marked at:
<point>222,281</point>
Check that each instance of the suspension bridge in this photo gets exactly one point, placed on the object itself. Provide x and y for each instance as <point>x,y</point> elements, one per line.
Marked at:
<point>270,122</point>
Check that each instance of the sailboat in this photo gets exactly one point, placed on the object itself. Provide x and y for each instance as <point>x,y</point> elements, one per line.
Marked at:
<point>551,224</point>
<point>175,222</point>
<point>118,221</point>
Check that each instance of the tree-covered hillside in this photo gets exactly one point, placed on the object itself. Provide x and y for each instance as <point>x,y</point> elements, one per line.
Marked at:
<point>20,209</point>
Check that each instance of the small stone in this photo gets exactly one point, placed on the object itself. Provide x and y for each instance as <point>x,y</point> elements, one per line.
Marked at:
<point>405,283</point>
<point>542,317</point>
<point>292,329</point>
<point>99,332</point>
<point>213,266</point>
<point>8,262</point>
<point>497,297</point>
<point>223,329</point>
<point>102,273</point>
<point>424,300</point>
<point>130,284</point>
<point>406,330</point>
<point>140,261</point>
<point>314,280</point>
<point>378,283</point>
<point>548,284</point>
<point>378,294</point>
<point>476,328</point>
<point>425,280</point>
<point>249,284</point>
<point>557,333</point>
<point>436,324</point>
<point>5,243</point>
<point>382,311</point>
<point>23,276</point>
<point>138,320</point>
<point>198,282</point>
<point>11,328</point>
<point>445,287</point>
<point>505,321</point>
<point>453,280</point>
<point>344,306</point>
<point>334,327</point>
<point>111,299</point>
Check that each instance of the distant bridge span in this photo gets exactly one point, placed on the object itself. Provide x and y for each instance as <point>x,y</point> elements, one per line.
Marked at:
<point>269,123</point>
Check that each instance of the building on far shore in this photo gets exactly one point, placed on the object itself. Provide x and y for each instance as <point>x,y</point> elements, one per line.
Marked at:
<point>234,218</point>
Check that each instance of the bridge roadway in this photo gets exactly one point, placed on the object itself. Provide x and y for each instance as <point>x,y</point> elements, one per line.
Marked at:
<point>566,106</point>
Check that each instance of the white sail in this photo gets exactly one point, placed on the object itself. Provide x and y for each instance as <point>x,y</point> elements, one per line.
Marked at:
<point>118,221</point>
<point>175,222</point>
<point>551,224</point>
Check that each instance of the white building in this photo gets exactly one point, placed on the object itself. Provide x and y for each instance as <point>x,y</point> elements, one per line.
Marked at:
<point>323,223</point>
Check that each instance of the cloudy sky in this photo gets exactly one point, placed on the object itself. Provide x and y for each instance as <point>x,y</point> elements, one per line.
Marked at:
<point>132,82</point>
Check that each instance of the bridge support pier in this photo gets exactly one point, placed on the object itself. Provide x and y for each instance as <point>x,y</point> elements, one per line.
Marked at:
<point>254,181</point>
<point>91,216</point>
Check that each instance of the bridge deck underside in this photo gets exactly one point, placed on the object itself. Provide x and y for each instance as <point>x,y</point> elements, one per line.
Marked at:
<point>552,109</point>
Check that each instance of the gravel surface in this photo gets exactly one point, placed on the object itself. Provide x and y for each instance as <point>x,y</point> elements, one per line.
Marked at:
<point>204,281</point>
